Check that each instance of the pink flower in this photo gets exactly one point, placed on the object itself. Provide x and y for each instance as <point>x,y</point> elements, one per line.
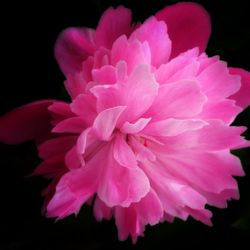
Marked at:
<point>147,136</point>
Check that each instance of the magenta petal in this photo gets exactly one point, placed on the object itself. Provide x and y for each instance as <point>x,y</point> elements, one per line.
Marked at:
<point>29,122</point>
<point>188,26</point>
<point>242,97</point>
<point>113,23</point>
<point>73,46</point>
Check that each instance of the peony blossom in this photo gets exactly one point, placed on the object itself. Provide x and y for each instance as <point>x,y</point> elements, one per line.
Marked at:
<point>147,135</point>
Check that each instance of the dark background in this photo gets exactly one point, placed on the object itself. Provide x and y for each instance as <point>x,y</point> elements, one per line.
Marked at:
<point>30,72</point>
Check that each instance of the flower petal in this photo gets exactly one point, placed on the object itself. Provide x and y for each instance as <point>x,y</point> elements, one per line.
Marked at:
<point>172,100</point>
<point>119,185</point>
<point>113,23</point>
<point>106,121</point>
<point>242,97</point>
<point>173,127</point>
<point>188,26</point>
<point>155,34</point>
<point>73,46</point>
<point>29,122</point>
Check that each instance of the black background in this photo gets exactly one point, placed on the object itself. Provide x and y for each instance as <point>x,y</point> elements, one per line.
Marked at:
<point>30,73</point>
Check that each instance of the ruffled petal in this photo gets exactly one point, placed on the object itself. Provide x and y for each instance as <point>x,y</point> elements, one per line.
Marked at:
<point>188,26</point>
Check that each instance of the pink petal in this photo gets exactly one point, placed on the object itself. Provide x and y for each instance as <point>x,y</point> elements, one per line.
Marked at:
<point>188,26</point>
<point>242,97</point>
<point>217,83</point>
<point>84,105</point>
<point>123,153</point>
<point>127,223</point>
<point>29,122</point>
<point>166,71</point>
<point>173,98</point>
<point>75,84</point>
<point>76,187</point>
<point>104,75</point>
<point>173,127</point>
<point>56,146</point>
<point>134,128</point>
<point>149,209</point>
<point>73,46</point>
<point>215,136</point>
<point>70,125</point>
<point>140,85</point>
<point>155,33</point>
<point>51,167</point>
<point>224,110</point>
<point>106,122</point>
<point>113,23</point>
<point>133,52</point>
<point>101,211</point>
<point>119,185</point>
<point>203,171</point>
<point>73,160</point>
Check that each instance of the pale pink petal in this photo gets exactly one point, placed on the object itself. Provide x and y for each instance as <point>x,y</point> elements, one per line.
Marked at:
<point>136,127</point>
<point>203,215</point>
<point>70,125</point>
<point>203,171</point>
<point>106,122</point>
<point>29,122</point>
<point>73,46</point>
<point>172,100</point>
<point>155,34</point>
<point>113,23</point>
<point>188,26</point>
<point>242,97</point>
<point>217,83</point>
<point>164,73</point>
<point>215,136</point>
<point>173,127</point>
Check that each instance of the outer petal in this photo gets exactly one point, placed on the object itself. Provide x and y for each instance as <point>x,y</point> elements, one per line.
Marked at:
<point>242,97</point>
<point>188,26</point>
<point>73,46</point>
<point>113,23</point>
<point>29,122</point>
